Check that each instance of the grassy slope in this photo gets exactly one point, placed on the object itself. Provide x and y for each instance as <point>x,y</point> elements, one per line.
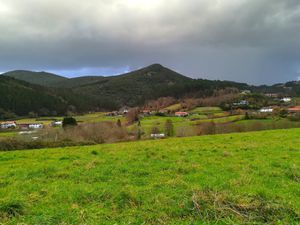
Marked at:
<point>236,178</point>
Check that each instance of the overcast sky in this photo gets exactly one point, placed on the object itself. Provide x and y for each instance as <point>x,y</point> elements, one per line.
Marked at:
<point>255,41</point>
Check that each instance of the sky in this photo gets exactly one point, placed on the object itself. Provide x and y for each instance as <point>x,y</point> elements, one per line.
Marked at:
<point>253,41</point>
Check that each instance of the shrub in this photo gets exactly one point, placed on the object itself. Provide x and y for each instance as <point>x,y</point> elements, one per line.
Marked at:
<point>11,209</point>
<point>69,122</point>
<point>155,130</point>
<point>160,114</point>
<point>169,128</point>
<point>213,205</point>
<point>294,117</point>
<point>132,116</point>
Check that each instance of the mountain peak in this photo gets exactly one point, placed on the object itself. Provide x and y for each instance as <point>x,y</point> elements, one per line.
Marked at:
<point>155,66</point>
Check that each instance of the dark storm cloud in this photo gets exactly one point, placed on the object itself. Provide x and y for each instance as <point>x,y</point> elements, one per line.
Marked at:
<point>256,41</point>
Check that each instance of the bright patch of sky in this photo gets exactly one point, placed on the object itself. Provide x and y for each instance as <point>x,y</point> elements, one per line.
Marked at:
<point>91,71</point>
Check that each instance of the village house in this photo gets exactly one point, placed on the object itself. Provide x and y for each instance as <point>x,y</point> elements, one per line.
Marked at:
<point>28,126</point>
<point>271,95</point>
<point>56,124</point>
<point>8,125</point>
<point>157,136</point>
<point>266,110</point>
<point>36,126</point>
<point>286,99</point>
<point>293,110</point>
<point>146,112</point>
<point>114,113</point>
<point>124,110</point>
<point>241,103</point>
<point>181,114</point>
<point>246,92</point>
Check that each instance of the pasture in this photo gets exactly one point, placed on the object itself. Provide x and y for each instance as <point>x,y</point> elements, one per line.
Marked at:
<point>245,178</point>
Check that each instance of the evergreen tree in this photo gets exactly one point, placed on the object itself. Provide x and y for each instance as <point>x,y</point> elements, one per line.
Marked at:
<point>169,128</point>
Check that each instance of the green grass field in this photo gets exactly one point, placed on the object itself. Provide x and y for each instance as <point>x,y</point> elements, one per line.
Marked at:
<point>207,110</point>
<point>86,118</point>
<point>248,178</point>
<point>8,134</point>
<point>174,107</point>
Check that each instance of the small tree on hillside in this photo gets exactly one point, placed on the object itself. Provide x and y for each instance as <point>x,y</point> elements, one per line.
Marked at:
<point>155,130</point>
<point>247,117</point>
<point>132,116</point>
<point>169,128</point>
<point>139,131</point>
<point>119,124</point>
<point>69,122</point>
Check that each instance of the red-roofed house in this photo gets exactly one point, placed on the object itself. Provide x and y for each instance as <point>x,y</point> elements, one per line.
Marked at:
<point>8,124</point>
<point>295,109</point>
<point>181,114</point>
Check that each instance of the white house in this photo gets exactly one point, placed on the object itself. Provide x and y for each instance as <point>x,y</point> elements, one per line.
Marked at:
<point>266,110</point>
<point>8,124</point>
<point>56,123</point>
<point>35,126</point>
<point>246,92</point>
<point>157,135</point>
<point>286,99</point>
<point>242,102</point>
<point>181,114</point>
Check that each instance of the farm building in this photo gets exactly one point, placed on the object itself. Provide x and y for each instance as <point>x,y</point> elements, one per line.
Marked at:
<point>146,112</point>
<point>124,110</point>
<point>27,126</point>
<point>241,103</point>
<point>246,92</point>
<point>295,109</point>
<point>56,124</point>
<point>155,136</point>
<point>181,114</point>
<point>271,95</point>
<point>266,110</point>
<point>8,124</point>
<point>36,126</point>
<point>114,113</point>
<point>286,99</point>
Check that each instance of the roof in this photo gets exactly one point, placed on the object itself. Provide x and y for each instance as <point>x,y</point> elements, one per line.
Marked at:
<point>8,122</point>
<point>295,109</point>
<point>181,113</point>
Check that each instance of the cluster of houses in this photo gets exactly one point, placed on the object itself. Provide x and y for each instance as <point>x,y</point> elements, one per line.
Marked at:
<point>8,125</point>
<point>276,97</point>
<point>123,111</point>
<point>147,112</point>
<point>27,126</point>
<point>291,110</point>
<point>22,126</point>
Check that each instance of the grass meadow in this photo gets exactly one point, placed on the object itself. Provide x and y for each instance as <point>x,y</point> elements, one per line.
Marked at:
<point>244,178</point>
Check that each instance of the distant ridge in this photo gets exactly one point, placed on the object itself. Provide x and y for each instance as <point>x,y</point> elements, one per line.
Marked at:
<point>40,78</point>
<point>25,91</point>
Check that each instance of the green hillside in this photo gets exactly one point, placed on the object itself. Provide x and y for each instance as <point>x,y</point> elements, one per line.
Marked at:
<point>40,78</point>
<point>249,178</point>
<point>94,93</point>
<point>152,82</point>
<point>21,97</point>
<point>79,81</point>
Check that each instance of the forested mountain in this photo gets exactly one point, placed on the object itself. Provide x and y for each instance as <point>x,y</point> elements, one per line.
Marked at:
<point>152,82</point>
<point>50,94</point>
<point>21,98</point>
<point>40,78</point>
